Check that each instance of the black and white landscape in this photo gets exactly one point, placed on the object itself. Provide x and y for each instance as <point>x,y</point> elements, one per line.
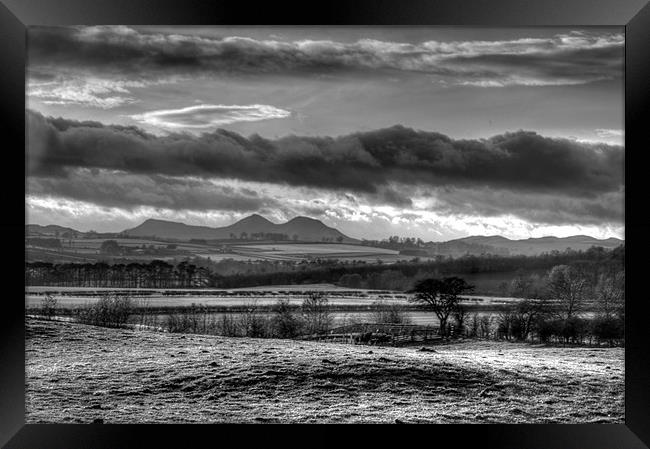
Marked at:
<point>325,224</point>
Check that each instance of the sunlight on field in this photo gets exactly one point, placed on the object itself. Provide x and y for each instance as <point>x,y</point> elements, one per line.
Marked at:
<point>326,248</point>
<point>123,376</point>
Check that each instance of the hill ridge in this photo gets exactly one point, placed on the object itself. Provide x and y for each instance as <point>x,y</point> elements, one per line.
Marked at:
<point>298,228</point>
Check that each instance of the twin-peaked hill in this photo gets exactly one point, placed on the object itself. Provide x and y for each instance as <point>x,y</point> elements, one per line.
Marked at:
<point>299,229</point>
<point>304,229</point>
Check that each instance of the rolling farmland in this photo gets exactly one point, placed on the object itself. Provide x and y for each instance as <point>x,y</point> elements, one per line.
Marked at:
<point>288,251</point>
<point>88,249</point>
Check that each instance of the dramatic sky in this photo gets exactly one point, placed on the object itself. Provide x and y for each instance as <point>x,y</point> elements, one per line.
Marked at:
<point>430,132</point>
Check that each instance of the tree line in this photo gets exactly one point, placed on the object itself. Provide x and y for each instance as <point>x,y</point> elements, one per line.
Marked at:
<point>155,274</point>
<point>228,273</point>
<point>567,305</point>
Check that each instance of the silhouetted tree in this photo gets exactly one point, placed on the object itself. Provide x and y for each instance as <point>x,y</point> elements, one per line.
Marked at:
<point>441,296</point>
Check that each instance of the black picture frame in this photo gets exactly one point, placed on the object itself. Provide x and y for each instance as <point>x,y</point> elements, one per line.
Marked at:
<point>634,15</point>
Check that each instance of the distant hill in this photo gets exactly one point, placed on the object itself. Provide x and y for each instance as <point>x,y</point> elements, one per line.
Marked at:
<point>49,230</point>
<point>297,229</point>
<point>303,229</point>
<point>500,245</point>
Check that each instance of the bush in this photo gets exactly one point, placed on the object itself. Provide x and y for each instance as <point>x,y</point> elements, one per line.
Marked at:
<point>608,329</point>
<point>285,324</point>
<point>252,323</point>
<point>108,311</point>
<point>504,325</point>
<point>547,329</point>
<point>575,330</point>
<point>48,306</point>
<point>473,327</point>
<point>572,330</point>
<point>512,325</point>
<point>228,325</point>
<point>484,325</point>
<point>460,317</point>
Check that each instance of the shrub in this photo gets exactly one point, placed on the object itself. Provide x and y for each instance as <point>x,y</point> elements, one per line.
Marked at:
<point>485,322</point>
<point>48,306</point>
<point>505,322</point>
<point>608,329</point>
<point>548,329</point>
<point>228,325</point>
<point>460,317</point>
<point>252,323</point>
<point>285,323</point>
<point>473,328</point>
<point>108,311</point>
<point>575,329</point>
<point>389,313</point>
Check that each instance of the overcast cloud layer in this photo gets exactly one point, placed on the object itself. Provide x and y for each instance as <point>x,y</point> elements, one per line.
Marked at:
<point>63,59</point>
<point>521,173</point>
<point>430,131</point>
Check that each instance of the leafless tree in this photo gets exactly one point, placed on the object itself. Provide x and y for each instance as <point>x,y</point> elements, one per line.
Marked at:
<point>568,287</point>
<point>533,306</point>
<point>316,313</point>
<point>610,294</point>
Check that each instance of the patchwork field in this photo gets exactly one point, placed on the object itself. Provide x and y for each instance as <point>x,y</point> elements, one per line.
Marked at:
<point>78,373</point>
<point>86,249</point>
<point>301,251</point>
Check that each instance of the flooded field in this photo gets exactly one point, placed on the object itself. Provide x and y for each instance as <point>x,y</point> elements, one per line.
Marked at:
<point>261,296</point>
<point>347,306</point>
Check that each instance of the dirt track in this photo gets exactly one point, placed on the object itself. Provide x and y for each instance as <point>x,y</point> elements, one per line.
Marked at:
<point>78,373</point>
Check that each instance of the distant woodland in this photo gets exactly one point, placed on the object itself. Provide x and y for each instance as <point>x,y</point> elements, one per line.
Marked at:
<point>489,273</point>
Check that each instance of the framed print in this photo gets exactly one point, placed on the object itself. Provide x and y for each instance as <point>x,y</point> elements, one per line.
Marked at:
<point>358,213</point>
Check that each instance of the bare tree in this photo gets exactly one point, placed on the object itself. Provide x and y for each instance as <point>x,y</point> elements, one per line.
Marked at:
<point>568,287</point>
<point>316,313</point>
<point>533,306</point>
<point>610,294</point>
<point>485,324</point>
<point>253,323</point>
<point>441,296</point>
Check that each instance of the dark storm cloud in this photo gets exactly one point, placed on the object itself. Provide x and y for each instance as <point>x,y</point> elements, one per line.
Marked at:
<point>127,191</point>
<point>533,207</point>
<point>363,162</point>
<point>573,58</point>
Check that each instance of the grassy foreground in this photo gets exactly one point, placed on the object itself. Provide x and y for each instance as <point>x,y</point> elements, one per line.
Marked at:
<point>78,373</point>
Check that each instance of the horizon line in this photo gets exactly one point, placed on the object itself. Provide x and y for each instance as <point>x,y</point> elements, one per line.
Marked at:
<point>316,219</point>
